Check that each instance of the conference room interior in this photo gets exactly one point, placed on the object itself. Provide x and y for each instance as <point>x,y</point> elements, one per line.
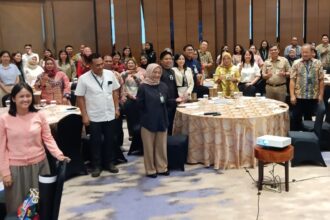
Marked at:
<point>214,162</point>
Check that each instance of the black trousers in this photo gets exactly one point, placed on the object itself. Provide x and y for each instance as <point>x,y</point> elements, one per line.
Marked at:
<point>132,115</point>
<point>171,114</point>
<point>306,108</point>
<point>102,152</point>
<point>247,90</point>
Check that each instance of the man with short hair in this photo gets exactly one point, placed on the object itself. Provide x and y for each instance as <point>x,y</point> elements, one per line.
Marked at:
<point>206,58</point>
<point>306,88</point>
<point>77,56</point>
<point>323,50</point>
<point>196,69</point>
<point>28,54</point>
<point>108,63</point>
<point>294,45</point>
<point>276,71</point>
<point>98,99</point>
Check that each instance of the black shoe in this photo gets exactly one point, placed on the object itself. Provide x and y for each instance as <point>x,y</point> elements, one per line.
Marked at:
<point>152,175</point>
<point>113,168</point>
<point>119,161</point>
<point>166,173</point>
<point>96,172</point>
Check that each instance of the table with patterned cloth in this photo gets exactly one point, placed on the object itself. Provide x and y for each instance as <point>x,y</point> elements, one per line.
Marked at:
<point>53,113</point>
<point>227,141</point>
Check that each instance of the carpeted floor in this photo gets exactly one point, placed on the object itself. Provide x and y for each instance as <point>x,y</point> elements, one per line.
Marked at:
<point>197,193</point>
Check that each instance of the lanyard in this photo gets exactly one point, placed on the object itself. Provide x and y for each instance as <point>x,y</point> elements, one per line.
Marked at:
<point>307,65</point>
<point>98,82</point>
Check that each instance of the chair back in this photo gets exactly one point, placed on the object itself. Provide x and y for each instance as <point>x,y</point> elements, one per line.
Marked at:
<point>68,138</point>
<point>319,119</point>
<point>69,131</point>
<point>61,171</point>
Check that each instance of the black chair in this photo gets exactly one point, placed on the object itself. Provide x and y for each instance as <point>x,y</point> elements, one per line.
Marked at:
<point>2,205</point>
<point>177,151</point>
<point>68,138</point>
<point>306,144</point>
<point>61,173</point>
<point>325,133</point>
<point>50,192</point>
<point>136,147</point>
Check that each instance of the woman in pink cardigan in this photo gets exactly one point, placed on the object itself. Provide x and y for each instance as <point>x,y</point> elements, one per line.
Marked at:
<point>54,84</point>
<point>23,133</point>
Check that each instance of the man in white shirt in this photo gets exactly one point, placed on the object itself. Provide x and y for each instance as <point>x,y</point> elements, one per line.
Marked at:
<point>28,54</point>
<point>98,99</point>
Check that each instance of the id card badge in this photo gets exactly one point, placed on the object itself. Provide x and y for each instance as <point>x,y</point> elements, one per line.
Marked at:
<point>162,99</point>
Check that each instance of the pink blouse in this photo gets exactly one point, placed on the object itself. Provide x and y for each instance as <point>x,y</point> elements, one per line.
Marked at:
<point>55,88</point>
<point>22,138</point>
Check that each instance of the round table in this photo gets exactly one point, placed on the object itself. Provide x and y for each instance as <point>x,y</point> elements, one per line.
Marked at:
<point>54,113</point>
<point>228,140</point>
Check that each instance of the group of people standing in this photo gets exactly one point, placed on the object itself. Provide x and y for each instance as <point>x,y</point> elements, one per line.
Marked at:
<point>147,93</point>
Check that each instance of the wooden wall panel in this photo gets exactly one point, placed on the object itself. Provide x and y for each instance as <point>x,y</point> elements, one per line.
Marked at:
<point>323,21</point>
<point>157,23</point>
<point>134,27</point>
<point>20,24</point>
<point>259,21</point>
<point>71,27</point>
<point>220,25</point>
<point>121,24</point>
<point>270,17</point>
<point>224,22</point>
<point>192,20</point>
<point>209,27</point>
<point>179,20</point>
<point>49,26</point>
<point>163,25</point>
<point>150,22</point>
<point>312,20</point>
<point>103,22</point>
<point>285,22</point>
<point>243,23</point>
<point>298,20</point>
<point>230,25</point>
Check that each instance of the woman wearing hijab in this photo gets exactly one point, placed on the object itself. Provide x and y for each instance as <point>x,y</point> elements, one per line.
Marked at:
<point>32,70</point>
<point>227,75</point>
<point>54,84</point>
<point>151,98</point>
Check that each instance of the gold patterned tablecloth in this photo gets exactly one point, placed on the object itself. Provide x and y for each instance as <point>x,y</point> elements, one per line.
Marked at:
<point>227,141</point>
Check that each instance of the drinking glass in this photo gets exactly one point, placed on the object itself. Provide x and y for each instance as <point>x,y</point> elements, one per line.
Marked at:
<point>43,103</point>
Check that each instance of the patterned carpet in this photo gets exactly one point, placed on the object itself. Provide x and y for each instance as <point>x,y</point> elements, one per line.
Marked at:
<point>197,193</point>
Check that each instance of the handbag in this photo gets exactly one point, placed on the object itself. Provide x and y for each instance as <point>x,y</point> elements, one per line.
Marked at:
<point>28,209</point>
